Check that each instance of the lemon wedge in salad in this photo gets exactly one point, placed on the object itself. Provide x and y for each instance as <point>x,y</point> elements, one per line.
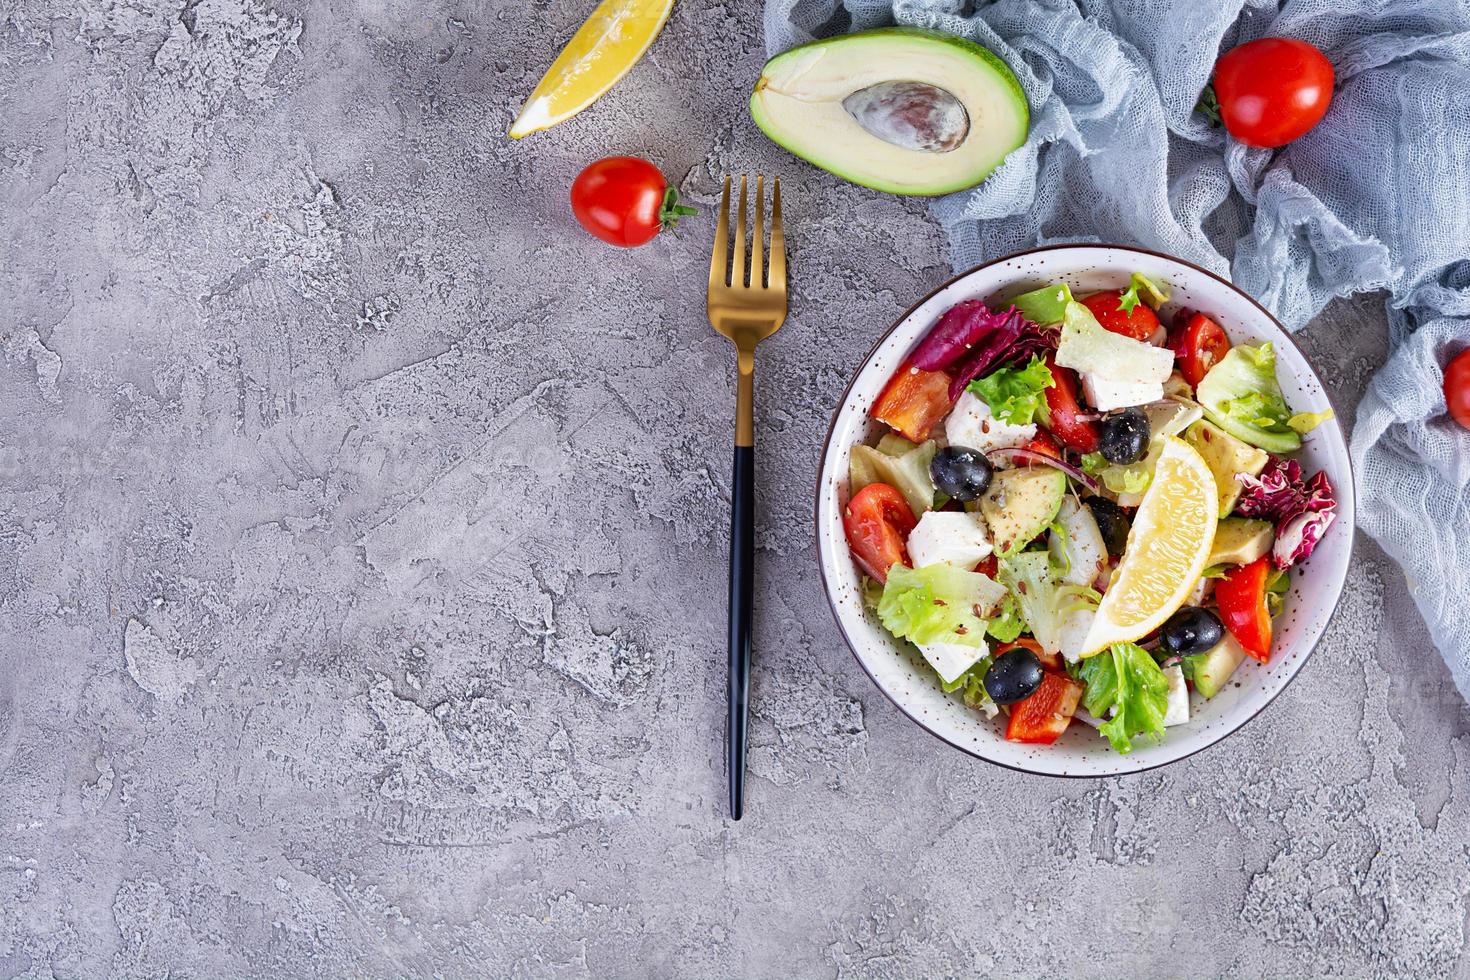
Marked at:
<point>1172,534</point>
<point>602,51</point>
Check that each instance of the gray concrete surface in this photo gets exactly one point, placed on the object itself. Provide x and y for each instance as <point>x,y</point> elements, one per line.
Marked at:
<point>362,532</point>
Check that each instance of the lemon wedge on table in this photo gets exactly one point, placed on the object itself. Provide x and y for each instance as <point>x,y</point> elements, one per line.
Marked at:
<point>601,52</point>
<point>1172,534</point>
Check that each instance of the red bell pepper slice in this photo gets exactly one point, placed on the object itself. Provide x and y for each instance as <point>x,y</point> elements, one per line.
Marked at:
<point>914,402</point>
<point>1241,595</point>
<point>1049,661</point>
<point>1041,718</point>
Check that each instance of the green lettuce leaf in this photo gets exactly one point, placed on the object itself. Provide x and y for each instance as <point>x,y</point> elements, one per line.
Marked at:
<point>1241,396</point>
<point>1027,576</point>
<point>1015,395</point>
<point>937,604</point>
<point>1094,463</point>
<point>1006,623</point>
<point>1124,679</point>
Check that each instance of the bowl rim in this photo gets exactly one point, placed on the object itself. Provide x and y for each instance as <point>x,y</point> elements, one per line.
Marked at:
<point>847,394</point>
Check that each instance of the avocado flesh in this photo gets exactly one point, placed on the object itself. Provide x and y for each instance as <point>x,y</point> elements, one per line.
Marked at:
<point>1020,504</point>
<point>1216,666</point>
<point>1240,541</point>
<point>798,102</point>
<point>1226,456</point>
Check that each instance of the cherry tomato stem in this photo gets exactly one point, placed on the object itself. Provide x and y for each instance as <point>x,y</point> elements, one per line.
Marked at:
<point>625,201</point>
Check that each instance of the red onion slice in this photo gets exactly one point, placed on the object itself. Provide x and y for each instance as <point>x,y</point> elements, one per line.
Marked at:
<point>1031,456</point>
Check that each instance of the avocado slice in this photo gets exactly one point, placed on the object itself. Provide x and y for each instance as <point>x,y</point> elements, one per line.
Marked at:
<point>1215,666</point>
<point>1240,541</point>
<point>898,109</point>
<point>1226,456</point>
<point>1046,305</point>
<point>908,474</point>
<point>1020,504</point>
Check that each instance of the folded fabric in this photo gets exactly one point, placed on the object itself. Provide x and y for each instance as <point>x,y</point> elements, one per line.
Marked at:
<point>1377,196</point>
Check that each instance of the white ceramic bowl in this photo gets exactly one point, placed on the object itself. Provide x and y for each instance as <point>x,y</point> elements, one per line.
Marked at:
<point>1316,583</point>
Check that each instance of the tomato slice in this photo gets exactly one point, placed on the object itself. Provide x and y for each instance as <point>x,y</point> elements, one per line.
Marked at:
<point>989,565</point>
<point>1041,718</point>
<point>1050,661</point>
<point>1198,344</point>
<point>878,521</point>
<point>1044,444</point>
<point>914,402</point>
<point>1140,323</point>
<point>1241,595</point>
<point>1063,409</point>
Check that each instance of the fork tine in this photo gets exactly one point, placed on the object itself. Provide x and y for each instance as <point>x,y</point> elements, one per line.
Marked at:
<point>737,268</point>
<point>758,236</point>
<point>720,257</point>
<point>778,239</point>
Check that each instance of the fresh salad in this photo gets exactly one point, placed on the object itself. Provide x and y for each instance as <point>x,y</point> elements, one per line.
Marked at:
<point>1077,511</point>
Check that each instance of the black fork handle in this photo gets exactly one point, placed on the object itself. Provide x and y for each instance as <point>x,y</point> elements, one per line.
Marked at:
<point>742,582</point>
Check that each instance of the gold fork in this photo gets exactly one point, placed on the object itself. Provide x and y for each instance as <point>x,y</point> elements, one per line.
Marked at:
<point>747,303</point>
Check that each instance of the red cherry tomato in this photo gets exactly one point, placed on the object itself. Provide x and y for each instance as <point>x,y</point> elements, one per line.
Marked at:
<point>878,521</point>
<point>625,201</point>
<point>1241,595</point>
<point>1457,388</point>
<point>1140,322</point>
<point>1063,409</point>
<point>1273,90</point>
<point>913,402</point>
<point>1198,344</point>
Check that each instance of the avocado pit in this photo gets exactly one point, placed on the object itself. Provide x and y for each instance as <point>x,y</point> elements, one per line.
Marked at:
<point>911,115</point>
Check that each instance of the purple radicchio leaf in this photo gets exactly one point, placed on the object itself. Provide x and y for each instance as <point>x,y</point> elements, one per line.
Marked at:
<point>1277,494</point>
<point>1296,538</point>
<point>1011,340</point>
<point>1302,510</point>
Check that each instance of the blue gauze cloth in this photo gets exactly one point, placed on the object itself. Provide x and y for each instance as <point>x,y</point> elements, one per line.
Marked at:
<point>1377,196</point>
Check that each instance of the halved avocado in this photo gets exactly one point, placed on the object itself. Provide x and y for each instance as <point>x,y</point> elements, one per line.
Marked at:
<point>898,109</point>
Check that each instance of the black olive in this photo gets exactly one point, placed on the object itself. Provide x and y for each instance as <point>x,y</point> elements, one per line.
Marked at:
<point>1112,522</point>
<point>960,473</point>
<point>1015,676</point>
<point>1123,438</point>
<point>1191,630</point>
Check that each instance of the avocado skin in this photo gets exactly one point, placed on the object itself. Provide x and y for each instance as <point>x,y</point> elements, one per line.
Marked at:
<point>963,45</point>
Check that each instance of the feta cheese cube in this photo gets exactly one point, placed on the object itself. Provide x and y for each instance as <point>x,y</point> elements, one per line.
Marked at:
<point>949,536</point>
<point>1105,395</point>
<point>1178,712</point>
<point>951,660</point>
<point>971,424</point>
<point>1074,632</point>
